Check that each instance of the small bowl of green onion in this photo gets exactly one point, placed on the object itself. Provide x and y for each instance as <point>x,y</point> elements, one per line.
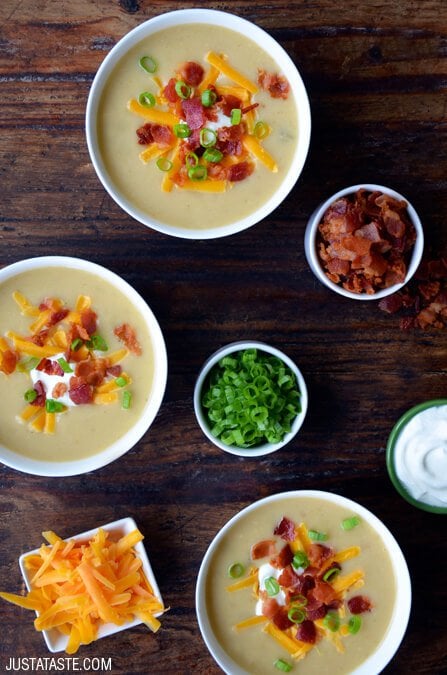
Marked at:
<point>250,399</point>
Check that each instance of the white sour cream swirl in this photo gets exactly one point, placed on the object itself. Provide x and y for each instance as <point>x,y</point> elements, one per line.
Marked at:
<point>50,381</point>
<point>420,456</point>
<point>265,572</point>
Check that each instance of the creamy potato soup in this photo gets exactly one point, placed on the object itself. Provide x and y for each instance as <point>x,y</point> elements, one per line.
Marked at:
<point>76,364</point>
<point>250,121</point>
<point>288,584</point>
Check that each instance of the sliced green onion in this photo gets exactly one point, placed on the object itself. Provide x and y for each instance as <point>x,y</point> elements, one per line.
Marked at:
<point>181,130</point>
<point>30,395</point>
<point>120,381</point>
<point>28,365</point>
<point>261,130</point>
<point>208,138</point>
<point>296,615</point>
<point>182,89</point>
<point>236,570</point>
<point>317,536</point>
<point>127,400</point>
<point>197,172</point>
<point>332,621</point>
<point>331,574</point>
<point>98,343</point>
<point>236,116</point>
<point>299,600</point>
<point>354,624</point>
<point>271,586</point>
<point>148,64</point>
<point>146,99</point>
<point>191,159</point>
<point>212,155</point>
<point>283,665</point>
<point>53,406</point>
<point>64,365</point>
<point>164,164</point>
<point>350,523</point>
<point>209,98</point>
<point>300,559</point>
<point>76,344</point>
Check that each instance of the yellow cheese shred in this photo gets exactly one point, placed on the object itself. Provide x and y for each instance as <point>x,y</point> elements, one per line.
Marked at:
<point>226,69</point>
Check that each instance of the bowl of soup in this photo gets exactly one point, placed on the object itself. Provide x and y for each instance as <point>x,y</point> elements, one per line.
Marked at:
<point>365,242</point>
<point>305,581</point>
<point>198,123</point>
<point>83,366</point>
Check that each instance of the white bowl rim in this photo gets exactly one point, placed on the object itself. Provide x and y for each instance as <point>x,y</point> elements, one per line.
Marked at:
<point>55,641</point>
<point>377,661</point>
<point>256,34</point>
<point>311,234</point>
<point>238,346</point>
<point>134,434</point>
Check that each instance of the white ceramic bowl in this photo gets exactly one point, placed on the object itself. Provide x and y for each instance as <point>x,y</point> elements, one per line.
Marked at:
<point>56,641</point>
<point>310,243</point>
<point>133,435</point>
<point>266,448</point>
<point>400,616</point>
<point>239,25</point>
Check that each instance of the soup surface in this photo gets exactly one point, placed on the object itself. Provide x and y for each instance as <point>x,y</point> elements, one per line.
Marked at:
<point>140,182</point>
<point>81,429</point>
<point>335,652</point>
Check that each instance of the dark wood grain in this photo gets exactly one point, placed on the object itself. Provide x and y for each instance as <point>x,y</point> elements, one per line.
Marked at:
<point>376,74</point>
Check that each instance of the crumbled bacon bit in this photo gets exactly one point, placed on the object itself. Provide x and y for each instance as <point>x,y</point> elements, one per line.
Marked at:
<point>263,548</point>
<point>240,171</point>
<point>284,557</point>
<point>41,394</point>
<point>144,134</point>
<point>193,112</point>
<point>191,73</point>
<point>365,241</point>
<point>79,391</point>
<point>281,620</point>
<point>359,604</point>
<point>92,371</point>
<point>59,390</point>
<point>323,592</point>
<point>8,361</point>
<point>89,320</point>
<point>276,85</point>
<point>115,371</point>
<point>285,529</point>
<point>50,367</point>
<point>56,317</point>
<point>306,632</point>
<point>318,553</point>
<point>127,335</point>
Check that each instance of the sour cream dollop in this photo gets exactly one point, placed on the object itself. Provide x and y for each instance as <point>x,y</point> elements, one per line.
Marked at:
<point>420,456</point>
<point>265,572</point>
<point>50,381</point>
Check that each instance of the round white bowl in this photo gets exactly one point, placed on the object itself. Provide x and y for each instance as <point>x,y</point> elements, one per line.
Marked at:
<point>257,35</point>
<point>133,435</point>
<point>266,448</point>
<point>310,243</point>
<point>377,661</point>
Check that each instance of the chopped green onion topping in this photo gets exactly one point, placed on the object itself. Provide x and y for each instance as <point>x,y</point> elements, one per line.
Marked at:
<point>127,400</point>
<point>354,624</point>
<point>98,343</point>
<point>53,406</point>
<point>299,600</point>
<point>164,164</point>
<point>249,398</point>
<point>332,621</point>
<point>350,523</point>
<point>30,395</point>
<point>300,559</point>
<point>271,586</point>
<point>208,138</point>
<point>191,159</point>
<point>76,344</point>
<point>148,64</point>
<point>181,130</point>
<point>236,116</point>
<point>146,99</point>
<point>120,381</point>
<point>331,574</point>
<point>212,155</point>
<point>64,365</point>
<point>296,614</point>
<point>183,90</point>
<point>283,665</point>
<point>236,570</point>
<point>28,365</point>
<point>317,536</point>
<point>209,98</point>
<point>261,130</point>
<point>197,172</point>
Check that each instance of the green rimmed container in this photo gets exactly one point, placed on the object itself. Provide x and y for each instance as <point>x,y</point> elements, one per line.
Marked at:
<point>390,455</point>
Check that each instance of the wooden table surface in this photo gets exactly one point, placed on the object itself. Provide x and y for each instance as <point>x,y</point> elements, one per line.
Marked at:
<point>376,74</point>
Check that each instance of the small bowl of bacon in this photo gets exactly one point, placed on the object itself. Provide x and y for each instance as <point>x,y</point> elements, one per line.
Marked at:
<point>198,123</point>
<point>365,242</point>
